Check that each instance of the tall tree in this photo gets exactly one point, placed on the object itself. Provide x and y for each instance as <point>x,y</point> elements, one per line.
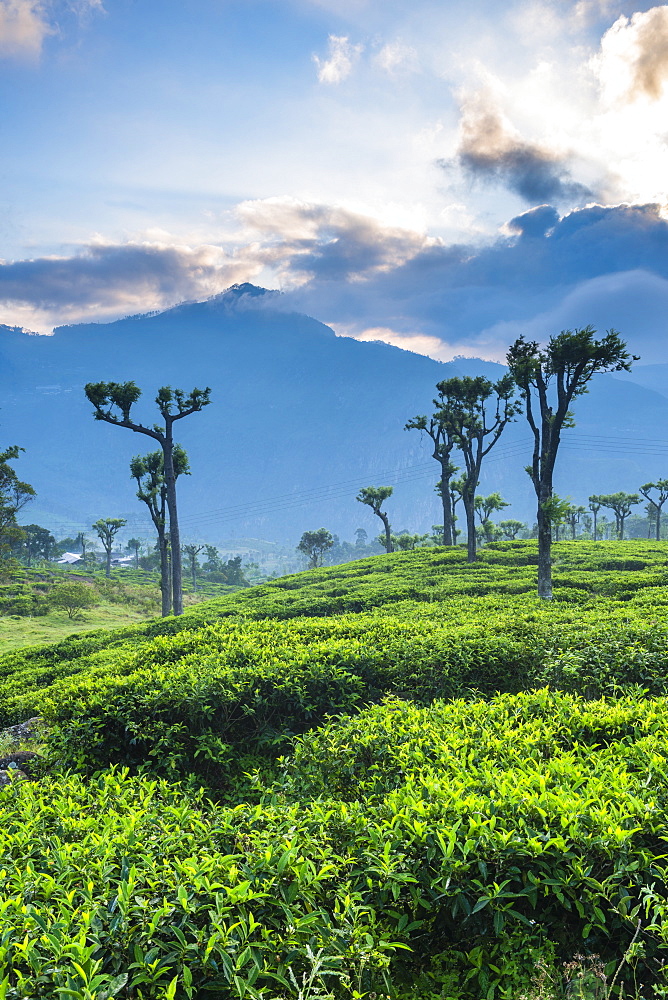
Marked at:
<point>594,506</point>
<point>113,402</point>
<point>314,544</point>
<point>107,528</point>
<point>476,412</point>
<point>14,495</point>
<point>657,501</point>
<point>149,473</point>
<point>134,545</point>
<point>375,497</point>
<point>620,504</point>
<point>437,428</point>
<point>549,379</point>
<point>192,551</point>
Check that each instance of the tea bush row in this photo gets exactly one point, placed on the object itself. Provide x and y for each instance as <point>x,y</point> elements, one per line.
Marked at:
<point>426,852</point>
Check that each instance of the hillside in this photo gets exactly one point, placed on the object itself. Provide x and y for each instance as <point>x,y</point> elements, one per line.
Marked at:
<point>405,777</point>
<point>299,420</point>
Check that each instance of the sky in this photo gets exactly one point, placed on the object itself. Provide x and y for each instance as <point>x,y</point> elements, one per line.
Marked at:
<point>440,175</point>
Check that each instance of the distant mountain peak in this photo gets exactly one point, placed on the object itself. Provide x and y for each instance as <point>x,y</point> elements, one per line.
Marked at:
<point>244,289</point>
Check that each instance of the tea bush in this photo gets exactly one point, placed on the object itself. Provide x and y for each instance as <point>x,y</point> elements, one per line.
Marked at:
<point>439,851</point>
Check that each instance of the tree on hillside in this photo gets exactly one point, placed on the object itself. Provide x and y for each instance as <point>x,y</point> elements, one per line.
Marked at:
<point>512,528</point>
<point>38,542</point>
<point>234,574</point>
<point>484,508</point>
<point>549,379</point>
<point>375,497</point>
<point>443,443</point>
<point>148,472</point>
<point>134,545</point>
<point>361,538</point>
<point>14,495</point>
<point>107,528</point>
<point>314,544</point>
<point>72,598</point>
<point>657,501</point>
<point>113,402</point>
<point>620,504</point>
<point>192,551</point>
<point>594,506</point>
<point>573,517</point>
<point>475,411</point>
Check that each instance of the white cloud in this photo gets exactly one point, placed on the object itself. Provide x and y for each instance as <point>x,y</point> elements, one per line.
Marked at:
<point>339,63</point>
<point>396,57</point>
<point>633,61</point>
<point>23,28</point>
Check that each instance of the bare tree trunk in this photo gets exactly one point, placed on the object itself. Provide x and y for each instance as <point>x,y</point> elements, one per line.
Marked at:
<point>470,527</point>
<point>174,536</point>
<point>658,524</point>
<point>448,525</point>
<point>389,547</point>
<point>544,546</point>
<point>165,581</point>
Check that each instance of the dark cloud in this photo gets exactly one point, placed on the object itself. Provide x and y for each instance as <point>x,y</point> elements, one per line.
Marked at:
<point>101,273</point>
<point>536,222</point>
<point>602,265</point>
<point>489,150</point>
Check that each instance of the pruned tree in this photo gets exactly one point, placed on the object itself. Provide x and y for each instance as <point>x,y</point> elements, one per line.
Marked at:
<point>475,412</point>
<point>573,517</point>
<point>149,473</point>
<point>549,379</point>
<point>594,506</point>
<point>134,545</point>
<point>375,497</point>
<point>106,529</point>
<point>443,442</point>
<point>659,489</point>
<point>113,402</point>
<point>484,508</point>
<point>314,544</point>
<point>192,551</point>
<point>620,504</point>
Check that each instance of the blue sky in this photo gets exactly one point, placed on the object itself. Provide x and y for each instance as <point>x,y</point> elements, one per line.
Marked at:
<point>438,175</point>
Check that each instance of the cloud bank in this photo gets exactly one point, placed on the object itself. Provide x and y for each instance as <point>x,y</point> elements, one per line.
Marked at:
<point>604,265</point>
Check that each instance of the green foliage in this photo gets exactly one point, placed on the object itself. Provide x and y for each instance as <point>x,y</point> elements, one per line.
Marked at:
<point>314,544</point>
<point>72,597</point>
<point>420,837</point>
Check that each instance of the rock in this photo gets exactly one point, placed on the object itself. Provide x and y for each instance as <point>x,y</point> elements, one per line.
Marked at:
<point>25,760</point>
<point>30,731</point>
<point>10,775</point>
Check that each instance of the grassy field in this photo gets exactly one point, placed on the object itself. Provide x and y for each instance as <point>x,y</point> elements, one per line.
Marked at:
<point>404,777</point>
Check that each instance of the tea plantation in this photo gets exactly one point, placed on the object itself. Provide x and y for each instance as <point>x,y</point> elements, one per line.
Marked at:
<point>403,777</point>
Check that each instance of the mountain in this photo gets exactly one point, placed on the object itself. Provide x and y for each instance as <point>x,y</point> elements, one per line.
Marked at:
<point>300,419</point>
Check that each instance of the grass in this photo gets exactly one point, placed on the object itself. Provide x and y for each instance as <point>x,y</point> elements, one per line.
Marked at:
<point>17,631</point>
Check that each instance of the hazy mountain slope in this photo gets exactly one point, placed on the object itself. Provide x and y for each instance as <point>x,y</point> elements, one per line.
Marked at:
<point>294,409</point>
